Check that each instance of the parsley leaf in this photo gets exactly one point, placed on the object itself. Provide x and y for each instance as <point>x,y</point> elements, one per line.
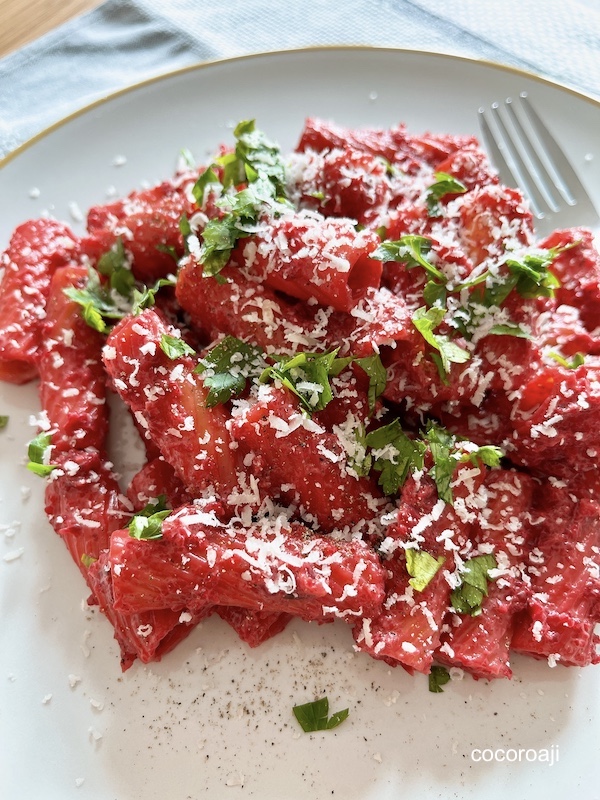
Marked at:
<point>220,236</point>
<point>487,454</point>
<point>422,567</point>
<point>255,162</point>
<point>410,250</point>
<point>508,329</point>
<point>533,278</point>
<point>97,301</point>
<point>115,266</point>
<point>435,294</point>
<point>208,177</point>
<point>87,560</point>
<point>175,347</point>
<point>372,366</point>
<point>438,677</point>
<point>426,320</point>
<point>448,451</point>
<point>442,444</point>
<point>577,360</point>
<point>226,367</point>
<point>444,184</point>
<point>38,452</point>
<point>147,523</point>
<point>468,597</point>
<point>254,155</point>
<point>3,421</point>
<point>315,716</point>
<point>146,296</point>
<point>307,376</point>
<point>394,455</point>
<point>377,374</point>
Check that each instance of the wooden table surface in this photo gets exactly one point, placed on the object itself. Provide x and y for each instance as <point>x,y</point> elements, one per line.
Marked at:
<point>22,21</point>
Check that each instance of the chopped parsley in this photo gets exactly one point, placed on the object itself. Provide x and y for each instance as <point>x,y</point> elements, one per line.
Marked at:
<point>206,179</point>
<point>38,452</point>
<point>445,184</point>
<point>226,368</point>
<point>147,523</point>
<point>442,445</point>
<point>175,347</point>
<point>115,266</point>
<point>111,300</point>
<point>438,677</point>
<point>3,421</point>
<point>448,451</point>
<point>487,454</point>
<point>98,302</point>
<point>426,320</point>
<point>377,375</point>
<point>256,165</point>
<point>468,597</point>
<point>306,375</point>
<point>145,297</point>
<point>254,155</point>
<point>577,360</point>
<point>410,250</point>
<point>87,560</point>
<point>422,567</point>
<point>529,275</point>
<point>315,716</point>
<point>394,455</point>
<point>243,210</point>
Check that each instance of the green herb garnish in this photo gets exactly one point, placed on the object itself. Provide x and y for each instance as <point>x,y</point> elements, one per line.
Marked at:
<point>394,455</point>
<point>254,155</point>
<point>577,360</point>
<point>226,368</point>
<point>175,347</point>
<point>444,184</point>
<point>87,560</point>
<point>243,210</point>
<point>442,445</point>
<point>410,250</point>
<point>468,597</point>
<point>145,297</point>
<point>97,301</point>
<point>422,567</point>
<point>256,162</point>
<point>38,452</point>
<point>3,421</point>
<point>426,320</point>
<point>438,677</point>
<point>147,523</point>
<point>115,266</point>
<point>306,375</point>
<point>315,716</point>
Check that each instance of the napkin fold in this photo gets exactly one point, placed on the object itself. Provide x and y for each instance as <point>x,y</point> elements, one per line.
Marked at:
<point>125,41</point>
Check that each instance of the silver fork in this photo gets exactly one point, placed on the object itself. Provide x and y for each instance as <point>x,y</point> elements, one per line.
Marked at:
<point>528,157</point>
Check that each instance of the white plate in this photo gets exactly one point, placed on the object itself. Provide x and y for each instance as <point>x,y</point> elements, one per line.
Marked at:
<point>215,714</point>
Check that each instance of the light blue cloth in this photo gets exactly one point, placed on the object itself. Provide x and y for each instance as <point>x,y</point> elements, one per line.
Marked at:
<point>124,41</point>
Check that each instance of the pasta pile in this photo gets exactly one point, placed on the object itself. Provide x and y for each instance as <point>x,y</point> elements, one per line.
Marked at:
<point>367,392</point>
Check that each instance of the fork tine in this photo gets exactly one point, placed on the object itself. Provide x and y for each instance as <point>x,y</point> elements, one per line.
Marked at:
<point>528,157</point>
<point>508,161</point>
<point>505,172</point>
<point>568,178</point>
<point>543,179</point>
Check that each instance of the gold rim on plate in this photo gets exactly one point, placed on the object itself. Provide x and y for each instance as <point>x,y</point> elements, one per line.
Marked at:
<point>276,53</point>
